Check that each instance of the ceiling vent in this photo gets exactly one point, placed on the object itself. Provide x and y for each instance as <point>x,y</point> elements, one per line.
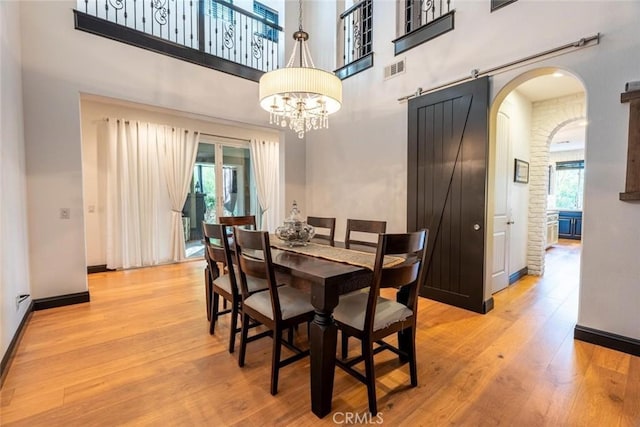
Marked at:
<point>394,69</point>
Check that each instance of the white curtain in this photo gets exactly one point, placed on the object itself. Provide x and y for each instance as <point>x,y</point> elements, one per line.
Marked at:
<point>133,194</point>
<point>149,169</point>
<point>265,157</point>
<point>178,152</point>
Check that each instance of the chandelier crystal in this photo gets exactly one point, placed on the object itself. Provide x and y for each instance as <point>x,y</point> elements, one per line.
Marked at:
<point>300,97</point>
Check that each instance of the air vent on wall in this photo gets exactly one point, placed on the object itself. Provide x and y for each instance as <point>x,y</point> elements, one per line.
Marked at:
<point>394,69</point>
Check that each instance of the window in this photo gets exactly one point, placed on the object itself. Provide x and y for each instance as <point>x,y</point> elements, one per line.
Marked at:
<point>219,10</point>
<point>357,31</point>
<point>222,185</point>
<point>569,184</point>
<point>271,16</point>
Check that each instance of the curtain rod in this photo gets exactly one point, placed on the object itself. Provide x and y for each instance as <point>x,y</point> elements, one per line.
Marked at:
<point>126,122</point>
<point>201,133</point>
<point>475,73</point>
<point>225,137</point>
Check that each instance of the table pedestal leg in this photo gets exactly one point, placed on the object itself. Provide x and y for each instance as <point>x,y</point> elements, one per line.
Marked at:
<point>323,352</point>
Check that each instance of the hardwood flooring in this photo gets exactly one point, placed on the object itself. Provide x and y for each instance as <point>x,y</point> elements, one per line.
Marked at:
<point>140,354</point>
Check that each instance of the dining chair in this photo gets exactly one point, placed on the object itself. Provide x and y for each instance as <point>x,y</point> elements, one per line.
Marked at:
<point>211,271</point>
<point>232,221</point>
<point>370,317</point>
<point>325,223</point>
<point>363,226</point>
<point>213,254</point>
<point>281,308</point>
<point>224,285</point>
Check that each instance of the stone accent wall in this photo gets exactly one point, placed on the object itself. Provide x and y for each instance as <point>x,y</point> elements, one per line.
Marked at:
<point>547,118</point>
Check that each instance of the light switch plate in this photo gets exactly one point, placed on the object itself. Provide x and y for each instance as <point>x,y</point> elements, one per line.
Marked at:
<point>65,213</point>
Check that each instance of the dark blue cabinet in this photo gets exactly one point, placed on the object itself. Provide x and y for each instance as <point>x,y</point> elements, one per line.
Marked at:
<point>570,225</point>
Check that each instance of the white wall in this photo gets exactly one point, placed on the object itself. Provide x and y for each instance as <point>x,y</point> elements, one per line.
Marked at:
<point>94,110</point>
<point>60,63</point>
<point>14,268</point>
<point>358,166</point>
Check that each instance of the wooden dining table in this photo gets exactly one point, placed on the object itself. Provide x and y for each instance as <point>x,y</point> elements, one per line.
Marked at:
<point>326,281</point>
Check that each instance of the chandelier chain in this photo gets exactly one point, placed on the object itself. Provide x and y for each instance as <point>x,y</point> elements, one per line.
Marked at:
<point>300,97</point>
<point>300,15</point>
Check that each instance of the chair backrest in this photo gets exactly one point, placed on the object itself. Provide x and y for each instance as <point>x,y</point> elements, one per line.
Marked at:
<point>363,226</point>
<point>412,247</point>
<point>253,255</point>
<point>213,247</point>
<point>246,221</point>
<point>231,221</point>
<point>320,222</point>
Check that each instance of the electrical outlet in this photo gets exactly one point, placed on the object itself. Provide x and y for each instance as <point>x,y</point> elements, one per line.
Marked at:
<point>65,213</point>
<point>20,299</point>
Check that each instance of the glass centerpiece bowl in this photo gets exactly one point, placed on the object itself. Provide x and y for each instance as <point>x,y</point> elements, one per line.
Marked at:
<point>295,231</point>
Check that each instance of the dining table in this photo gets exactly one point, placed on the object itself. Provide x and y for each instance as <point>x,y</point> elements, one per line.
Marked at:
<point>326,279</point>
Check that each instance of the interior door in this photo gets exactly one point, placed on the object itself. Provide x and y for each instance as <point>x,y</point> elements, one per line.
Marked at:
<point>501,217</point>
<point>447,175</point>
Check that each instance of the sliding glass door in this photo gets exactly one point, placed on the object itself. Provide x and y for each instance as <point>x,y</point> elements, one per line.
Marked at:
<point>222,185</point>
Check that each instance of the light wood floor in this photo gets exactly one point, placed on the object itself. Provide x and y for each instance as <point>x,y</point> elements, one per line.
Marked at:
<point>140,354</point>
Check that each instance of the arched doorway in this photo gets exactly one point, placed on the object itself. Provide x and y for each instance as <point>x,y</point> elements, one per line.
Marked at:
<point>525,116</point>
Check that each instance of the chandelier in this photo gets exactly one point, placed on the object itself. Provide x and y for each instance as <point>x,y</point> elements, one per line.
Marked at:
<point>300,96</point>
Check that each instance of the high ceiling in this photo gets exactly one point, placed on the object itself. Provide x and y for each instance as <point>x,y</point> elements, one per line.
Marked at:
<point>571,136</point>
<point>549,86</point>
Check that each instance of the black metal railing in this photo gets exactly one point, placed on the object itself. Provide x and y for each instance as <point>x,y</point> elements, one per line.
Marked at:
<point>357,31</point>
<point>421,12</point>
<point>234,34</point>
<point>213,27</point>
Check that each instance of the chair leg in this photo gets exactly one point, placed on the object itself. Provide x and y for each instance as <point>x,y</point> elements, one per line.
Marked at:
<point>290,335</point>
<point>207,291</point>
<point>345,345</point>
<point>233,327</point>
<point>214,312</point>
<point>243,339</point>
<point>367,353</point>
<point>413,369</point>
<point>275,362</point>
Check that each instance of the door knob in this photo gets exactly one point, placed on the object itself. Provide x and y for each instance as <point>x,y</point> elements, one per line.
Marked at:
<point>510,222</point>
<point>476,227</point>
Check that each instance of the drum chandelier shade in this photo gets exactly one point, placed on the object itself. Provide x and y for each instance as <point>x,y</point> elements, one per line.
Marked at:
<point>300,97</point>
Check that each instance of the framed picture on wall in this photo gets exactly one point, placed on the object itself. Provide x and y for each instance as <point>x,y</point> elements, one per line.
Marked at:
<point>521,171</point>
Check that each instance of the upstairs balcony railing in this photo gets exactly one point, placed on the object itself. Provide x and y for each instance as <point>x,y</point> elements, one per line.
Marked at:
<point>189,29</point>
<point>423,21</point>
<point>357,38</point>
<point>422,12</point>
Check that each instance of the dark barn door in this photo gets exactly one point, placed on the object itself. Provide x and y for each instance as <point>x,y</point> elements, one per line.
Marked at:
<point>447,168</point>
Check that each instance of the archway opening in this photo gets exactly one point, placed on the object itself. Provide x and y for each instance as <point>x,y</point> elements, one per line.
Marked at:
<point>537,124</point>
